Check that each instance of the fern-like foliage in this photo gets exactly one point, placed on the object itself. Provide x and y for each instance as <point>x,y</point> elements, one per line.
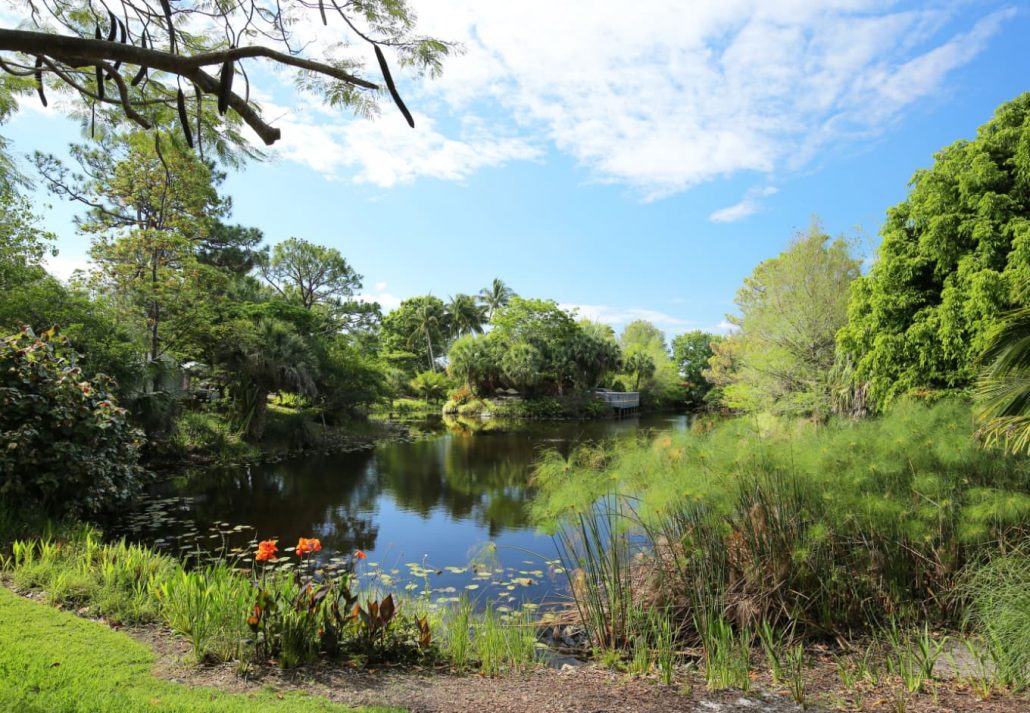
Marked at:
<point>1003,390</point>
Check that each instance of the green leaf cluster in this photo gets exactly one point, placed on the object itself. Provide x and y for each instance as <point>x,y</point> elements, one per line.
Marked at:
<point>955,257</point>
<point>66,446</point>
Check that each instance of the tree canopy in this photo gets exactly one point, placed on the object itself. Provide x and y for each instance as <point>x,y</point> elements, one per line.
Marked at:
<point>791,307</point>
<point>690,353</point>
<point>955,256</point>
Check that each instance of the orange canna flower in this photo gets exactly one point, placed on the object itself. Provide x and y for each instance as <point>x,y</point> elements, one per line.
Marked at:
<point>360,555</point>
<point>307,545</point>
<point>266,551</point>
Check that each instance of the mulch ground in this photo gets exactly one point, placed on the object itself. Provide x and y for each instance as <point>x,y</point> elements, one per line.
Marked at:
<point>583,689</point>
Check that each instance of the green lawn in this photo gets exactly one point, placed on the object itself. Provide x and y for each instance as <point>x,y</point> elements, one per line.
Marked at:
<point>54,662</point>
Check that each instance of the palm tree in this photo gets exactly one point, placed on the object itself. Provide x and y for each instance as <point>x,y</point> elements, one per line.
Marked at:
<point>641,364</point>
<point>464,316</point>
<point>430,319</point>
<point>430,385</point>
<point>1003,390</point>
<point>272,358</point>
<point>495,296</point>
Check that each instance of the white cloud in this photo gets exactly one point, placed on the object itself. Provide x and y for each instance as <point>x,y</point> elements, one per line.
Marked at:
<point>723,327</point>
<point>673,94</point>
<point>63,267</point>
<point>750,205</point>
<point>386,300</point>
<point>386,152</point>
<point>622,316</point>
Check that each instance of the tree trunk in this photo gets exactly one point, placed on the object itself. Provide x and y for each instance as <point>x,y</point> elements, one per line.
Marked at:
<point>256,425</point>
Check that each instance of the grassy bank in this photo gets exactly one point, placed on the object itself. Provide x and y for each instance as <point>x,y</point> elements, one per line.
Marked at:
<point>808,533</point>
<point>207,437</point>
<point>54,662</point>
<point>284,611</point>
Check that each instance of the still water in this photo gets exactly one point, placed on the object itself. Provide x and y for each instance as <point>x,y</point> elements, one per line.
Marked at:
<point>452,506</point>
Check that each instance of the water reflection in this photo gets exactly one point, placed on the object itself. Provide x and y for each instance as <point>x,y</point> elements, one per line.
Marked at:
<point>437,500</point>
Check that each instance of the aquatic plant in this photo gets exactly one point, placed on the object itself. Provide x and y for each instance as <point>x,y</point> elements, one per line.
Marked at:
<point>791,522</point>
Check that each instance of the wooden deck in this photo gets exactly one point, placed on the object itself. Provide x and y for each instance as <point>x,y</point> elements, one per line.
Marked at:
<point>621,401</point>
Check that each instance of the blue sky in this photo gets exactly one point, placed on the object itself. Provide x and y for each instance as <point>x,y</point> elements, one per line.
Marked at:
<point>631,164</point>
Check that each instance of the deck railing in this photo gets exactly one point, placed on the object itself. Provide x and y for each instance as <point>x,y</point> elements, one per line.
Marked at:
<point>620,399</point>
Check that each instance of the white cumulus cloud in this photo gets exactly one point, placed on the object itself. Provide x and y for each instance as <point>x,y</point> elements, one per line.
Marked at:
<point>672,94</point>
<point>618,316</point>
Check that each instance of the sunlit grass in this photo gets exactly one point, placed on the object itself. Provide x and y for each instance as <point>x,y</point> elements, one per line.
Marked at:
<point>54,662</point>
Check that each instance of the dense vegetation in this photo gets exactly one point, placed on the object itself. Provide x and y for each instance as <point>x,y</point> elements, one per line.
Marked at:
<point>955,258</point>
<point>199,324</point>
<point>860,491</point>
<point>866,472</point>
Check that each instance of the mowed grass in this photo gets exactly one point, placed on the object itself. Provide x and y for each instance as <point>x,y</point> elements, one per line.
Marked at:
<point>54,662</point>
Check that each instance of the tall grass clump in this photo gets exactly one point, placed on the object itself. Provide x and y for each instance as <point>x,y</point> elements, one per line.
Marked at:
<point>828,528</point>
<point>999,596</point>
<point>208,607</point>
<point>78,571</point>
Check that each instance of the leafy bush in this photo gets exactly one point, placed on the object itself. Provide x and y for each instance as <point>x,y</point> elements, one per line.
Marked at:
<point>197,431</point>
<point>65,444</point>
<point>476,407</point>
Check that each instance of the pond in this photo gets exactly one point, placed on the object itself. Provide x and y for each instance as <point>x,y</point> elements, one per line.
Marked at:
<point>446,513</point>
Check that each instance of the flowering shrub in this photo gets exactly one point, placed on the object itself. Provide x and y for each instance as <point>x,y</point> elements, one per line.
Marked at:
<point>294,617</point>
<point>65,444</point>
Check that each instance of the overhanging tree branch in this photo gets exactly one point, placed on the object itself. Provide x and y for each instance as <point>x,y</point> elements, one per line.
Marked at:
<point>183,40</point>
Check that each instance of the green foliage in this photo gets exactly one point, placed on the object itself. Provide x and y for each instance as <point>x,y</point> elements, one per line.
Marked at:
<point>955,257</point>
<point>496,296</point>
<point>999,595</point>
<point>1003,389</point>
<point>150,207</point>
<point>56,662</point>
<point>691,353</point>
<point>208,431</point>
<point>106,345</point>
<point>206,606</point>
<point>727,654</point>
<point>265,357</point>
<point>22,244</point>
<point>465,315</point>
<point>318,277</point>
<point>522,365</point>
<point>647,366</point>
<point>65,444</point>
<point>418,326</point>
<point>641,365</point>
<point>349,377</point>
<point>474,362</point>
<point>430,385</point>
<point>536,348</point>
<point>79,572</point>
<point>791,308</point>
<point>824,525</point>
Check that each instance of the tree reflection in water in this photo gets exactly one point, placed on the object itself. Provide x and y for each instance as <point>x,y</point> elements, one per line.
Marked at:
<point>439,497</point>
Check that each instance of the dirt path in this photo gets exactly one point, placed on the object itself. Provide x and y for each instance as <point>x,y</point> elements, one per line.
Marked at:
<point>581,689</point>
<point>584,689</point>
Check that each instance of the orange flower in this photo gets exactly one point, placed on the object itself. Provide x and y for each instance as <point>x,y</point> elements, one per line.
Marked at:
<point>306,546</point>
<point>360,555</point>
<point>266,551</point>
